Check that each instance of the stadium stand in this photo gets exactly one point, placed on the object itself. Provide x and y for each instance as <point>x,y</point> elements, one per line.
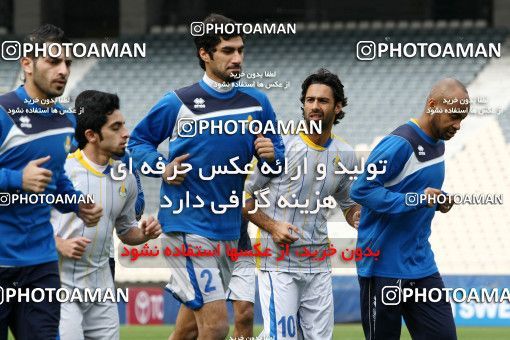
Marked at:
<point>8,75</point>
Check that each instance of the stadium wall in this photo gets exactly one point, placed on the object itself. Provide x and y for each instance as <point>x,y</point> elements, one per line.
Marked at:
<point>153,305</point>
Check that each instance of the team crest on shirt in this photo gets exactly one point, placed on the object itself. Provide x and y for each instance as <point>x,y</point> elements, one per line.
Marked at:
<point>247,121</point>
<point>67,144</point>
<point>122,190</point>
<point>336,160</point>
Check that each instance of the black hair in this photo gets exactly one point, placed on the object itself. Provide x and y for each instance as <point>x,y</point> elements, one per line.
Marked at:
<point>92,111</point>
<point>323,76</point>
<point>209,41</point>
<point>46,33</point>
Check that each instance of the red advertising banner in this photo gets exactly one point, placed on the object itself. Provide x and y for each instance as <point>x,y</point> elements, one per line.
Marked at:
<point>145,306</point>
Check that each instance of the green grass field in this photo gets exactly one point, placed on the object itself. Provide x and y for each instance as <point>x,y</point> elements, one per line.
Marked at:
<point>344,332</point>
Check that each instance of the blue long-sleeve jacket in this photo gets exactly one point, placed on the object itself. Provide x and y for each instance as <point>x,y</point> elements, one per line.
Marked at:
<point>164,121</point>
<point>29,132</point>
<point>394,220</point>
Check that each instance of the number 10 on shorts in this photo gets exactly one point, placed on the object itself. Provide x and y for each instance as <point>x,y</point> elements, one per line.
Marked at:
<point>288,325</point>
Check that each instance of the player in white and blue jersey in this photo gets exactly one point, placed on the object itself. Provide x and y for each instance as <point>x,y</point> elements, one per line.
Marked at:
<point>201,283</point>
<point>396,215</point>
<point>140,197</point>
<point>84,252</point>
<point>34,142</point>
<point>295,292</point>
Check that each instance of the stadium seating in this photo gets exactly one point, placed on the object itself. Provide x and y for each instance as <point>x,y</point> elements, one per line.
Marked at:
<point>8,73</point>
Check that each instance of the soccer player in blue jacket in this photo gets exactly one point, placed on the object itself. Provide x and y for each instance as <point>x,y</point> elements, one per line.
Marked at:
<point>200,282</point>
<point>34,143</point>
<point>397,210</point>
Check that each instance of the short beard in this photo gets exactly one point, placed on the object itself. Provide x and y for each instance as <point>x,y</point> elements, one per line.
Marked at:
<point>227,78</point>
<point>119,154</point>
<point>435,130</point>
<point>46,90</point>
<point>324,124</point>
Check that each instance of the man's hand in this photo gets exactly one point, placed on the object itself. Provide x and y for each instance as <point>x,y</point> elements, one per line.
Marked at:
<point>433,198</point>
<point>35,178</point>
<point>72,248</point>
<point>356,217</point>
<point>446,205</point>
<point>353,215</point>
<point>175,165</point>
<point>151,228</point>
<point>90,213</point>
<point>281,234</point>
<point>264,148</point>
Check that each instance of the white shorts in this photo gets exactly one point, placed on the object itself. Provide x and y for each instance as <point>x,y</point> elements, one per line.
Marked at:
<point>88,320</point>
<point>242,283</point>
<point>198,280</point>
<point>296,305</point>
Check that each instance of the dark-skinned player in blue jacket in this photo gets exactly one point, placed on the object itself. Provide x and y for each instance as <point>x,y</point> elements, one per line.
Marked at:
<point>397,210</point>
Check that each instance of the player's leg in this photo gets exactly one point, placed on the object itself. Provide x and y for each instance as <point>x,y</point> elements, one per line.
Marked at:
<point>243,318</point>
<point>186,327</point>
<point>7,278</point>
<point>5,311</point>
<point>381,317</point>
<point>101,321</point>
<point>241,291</point>
<point>71,318</point>
<point>316,320</point>
<point>212,320</point>
<point>430,320</point>
<point>38,320</point>
<point>279,300</point>
<point>200,282</point>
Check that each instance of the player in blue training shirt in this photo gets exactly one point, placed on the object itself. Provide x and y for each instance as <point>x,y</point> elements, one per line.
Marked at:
<point>34,142</point>
<point>200,282</point>
<point>397,211</point>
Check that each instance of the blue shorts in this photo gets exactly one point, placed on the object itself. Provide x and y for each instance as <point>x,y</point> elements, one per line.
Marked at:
<point>30,320</point>
<point>382,318</point>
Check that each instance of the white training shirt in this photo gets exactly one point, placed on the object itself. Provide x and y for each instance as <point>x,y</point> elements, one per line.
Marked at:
<point>118,201</point>
<point>299,149</point>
